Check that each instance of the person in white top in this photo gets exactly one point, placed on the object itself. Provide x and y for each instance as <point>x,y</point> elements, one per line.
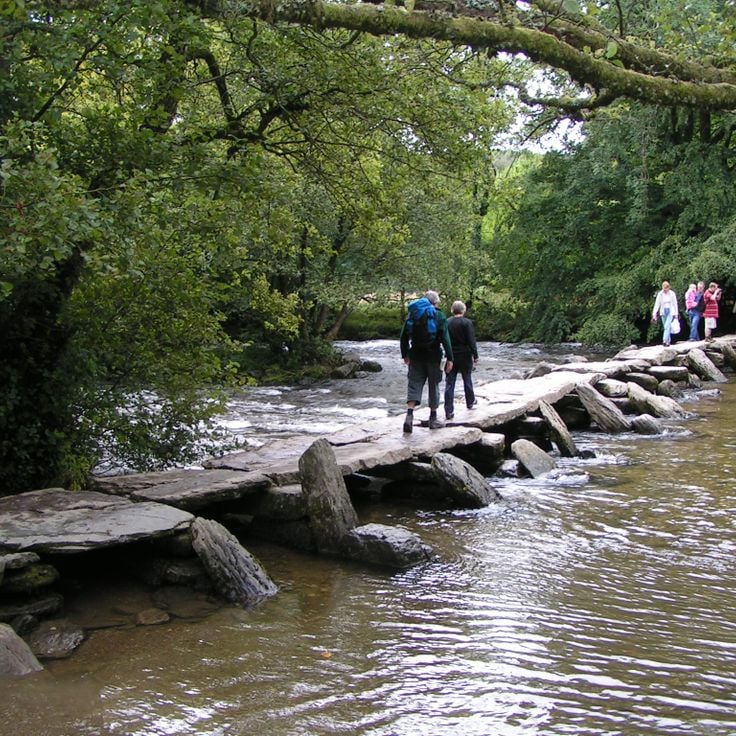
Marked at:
<point>665,306</point>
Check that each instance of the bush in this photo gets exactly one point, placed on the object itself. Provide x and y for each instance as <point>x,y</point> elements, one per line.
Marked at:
<point>607,329</point>
<point>372,322</point>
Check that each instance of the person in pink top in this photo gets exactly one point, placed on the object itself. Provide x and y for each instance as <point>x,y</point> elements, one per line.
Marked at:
<point>711,297</point>
<point>695,307</point>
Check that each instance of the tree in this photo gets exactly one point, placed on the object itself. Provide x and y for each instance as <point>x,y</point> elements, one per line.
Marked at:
<point>164,175</point>
<point>647,196</point>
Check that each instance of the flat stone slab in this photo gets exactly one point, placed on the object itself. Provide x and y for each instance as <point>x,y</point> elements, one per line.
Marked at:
<point>609,368</point>
<point>187,489</point>
<point>57,521</point>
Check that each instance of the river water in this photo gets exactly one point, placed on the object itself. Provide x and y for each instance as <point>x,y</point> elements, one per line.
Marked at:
<point>597,605</point>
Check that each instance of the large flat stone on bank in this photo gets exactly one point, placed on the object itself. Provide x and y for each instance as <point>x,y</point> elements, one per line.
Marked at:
<point>55,520</point>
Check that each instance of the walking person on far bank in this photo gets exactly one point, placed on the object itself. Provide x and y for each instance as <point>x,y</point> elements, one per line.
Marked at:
<point>465,356</point>
<point>423,338</point>
<point>665,305</point>
<point>711,297</point>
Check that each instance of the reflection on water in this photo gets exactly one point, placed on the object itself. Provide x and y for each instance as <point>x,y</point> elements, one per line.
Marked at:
<point>603,607</point>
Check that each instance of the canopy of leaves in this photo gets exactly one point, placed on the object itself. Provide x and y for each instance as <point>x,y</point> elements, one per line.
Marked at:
<point>171,183</point>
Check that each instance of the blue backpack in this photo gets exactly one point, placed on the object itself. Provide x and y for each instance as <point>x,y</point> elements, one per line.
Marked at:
<point>422,324</point>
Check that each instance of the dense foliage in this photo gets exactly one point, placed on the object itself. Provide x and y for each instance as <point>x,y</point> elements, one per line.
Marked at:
<point>193,196</point>
<point>185,202</point>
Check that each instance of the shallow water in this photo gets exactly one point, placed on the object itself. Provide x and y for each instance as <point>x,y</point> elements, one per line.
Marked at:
<point>597,605</point>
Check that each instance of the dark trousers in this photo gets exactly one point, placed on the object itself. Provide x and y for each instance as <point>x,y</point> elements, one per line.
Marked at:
<point>464,366</point>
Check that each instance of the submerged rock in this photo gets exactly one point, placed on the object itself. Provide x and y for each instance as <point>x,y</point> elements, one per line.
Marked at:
<point>55,639</point>
<point>536,461</point>
<point>390,546</point>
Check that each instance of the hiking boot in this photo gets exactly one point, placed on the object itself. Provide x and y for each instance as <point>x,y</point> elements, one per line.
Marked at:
<point>435,423</point>
<point>408,425</point>
<point>449,416</point>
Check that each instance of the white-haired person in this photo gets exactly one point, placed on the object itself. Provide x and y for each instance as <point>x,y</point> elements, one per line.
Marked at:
<point>465,356</point>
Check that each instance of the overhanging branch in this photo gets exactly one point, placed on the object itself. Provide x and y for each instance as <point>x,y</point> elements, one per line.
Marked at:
<point>632,71</point>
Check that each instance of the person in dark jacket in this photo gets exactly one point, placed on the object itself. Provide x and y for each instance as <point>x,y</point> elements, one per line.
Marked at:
<point>421,350</point>
<point>465,356</point>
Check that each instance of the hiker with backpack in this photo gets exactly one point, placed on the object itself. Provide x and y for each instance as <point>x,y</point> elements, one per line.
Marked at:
<point>424,336</point>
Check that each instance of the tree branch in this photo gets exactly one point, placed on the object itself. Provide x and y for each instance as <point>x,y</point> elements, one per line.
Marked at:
<point>591,57</point>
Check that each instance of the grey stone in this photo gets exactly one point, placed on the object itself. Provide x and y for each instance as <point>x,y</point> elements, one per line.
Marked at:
<point>347,370</point>
<point>29,579</point>
<point>541,369</point>
<point>465,485</point>
<point>602,410</point>
<point>560,435</point>
<point>39,606</point>
<point>331,513</point>
<point>535,461</point>
<point>55,639</point>
<point>389,546</point>
<point>55,520</point>
<point>510,468</point>
<point>729,355</point>
<point>189,572</point>
<point>413,471</point>
<point>671,372</point>
<point>188,489</point>
<point>669,388</point>
<point>152,617</point>
<point>646,424</point>
<point>236,574</point>
<point>486,455</point>
<point>370,366</point>
<point>282,503</point>
<point>704,367</point>
<point>18,560</point>
<point>612,388</point>
<point>659,406</point>
<point>645,380</point>
<point>16,657</point>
